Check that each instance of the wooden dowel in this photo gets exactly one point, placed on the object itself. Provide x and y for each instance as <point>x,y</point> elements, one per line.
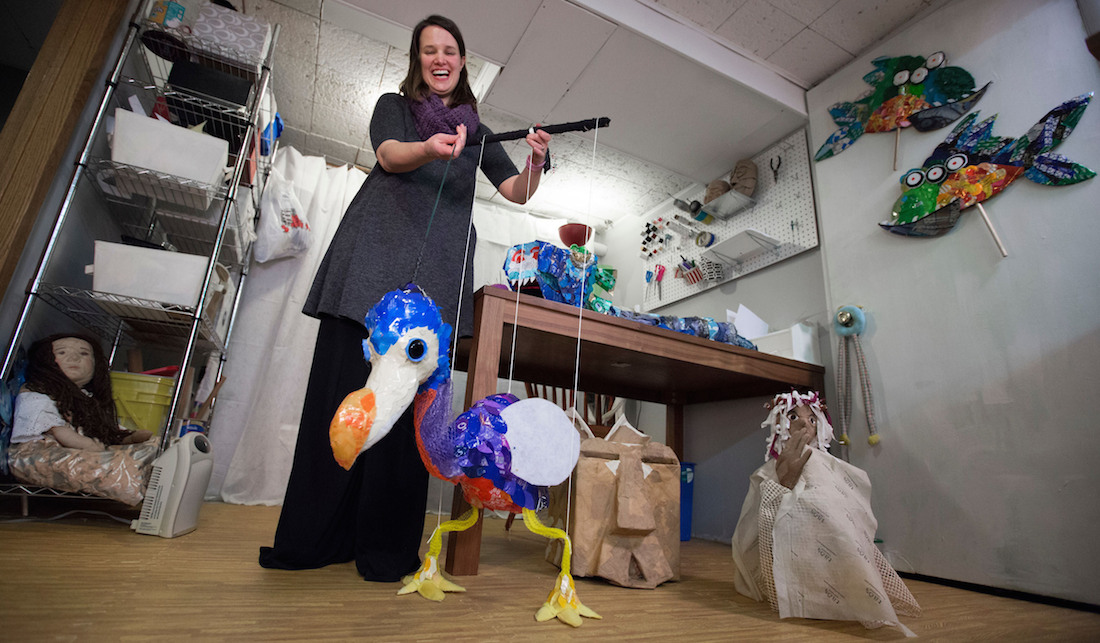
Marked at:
<point>989,224</point>
<point>897,141</point>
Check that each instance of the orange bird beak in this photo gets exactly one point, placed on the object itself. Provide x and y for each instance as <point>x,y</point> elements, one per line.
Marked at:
<point>351,426</point>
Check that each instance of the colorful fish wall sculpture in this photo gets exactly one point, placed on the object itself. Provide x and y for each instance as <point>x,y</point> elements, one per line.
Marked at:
<point>972,166</point>
<point>906,90</point>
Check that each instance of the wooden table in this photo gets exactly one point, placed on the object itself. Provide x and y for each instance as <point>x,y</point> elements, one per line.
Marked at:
<point>617,357</point>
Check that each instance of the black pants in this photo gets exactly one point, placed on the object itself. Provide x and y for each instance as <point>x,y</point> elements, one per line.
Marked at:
<point>374,513</point>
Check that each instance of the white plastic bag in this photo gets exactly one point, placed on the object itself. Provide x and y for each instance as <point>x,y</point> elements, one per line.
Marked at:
<point>283,230</point>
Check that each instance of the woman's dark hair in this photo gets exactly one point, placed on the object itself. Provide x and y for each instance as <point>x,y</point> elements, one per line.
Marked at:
<point>96,416</point>
<point>414,87</point>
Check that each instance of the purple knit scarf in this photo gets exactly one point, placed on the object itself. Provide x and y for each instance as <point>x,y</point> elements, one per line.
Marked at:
<point>433,117</point>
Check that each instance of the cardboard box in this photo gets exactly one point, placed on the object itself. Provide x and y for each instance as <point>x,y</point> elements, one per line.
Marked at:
<point>163,276</point>
<point>797,342</point>
<point>155,145</point>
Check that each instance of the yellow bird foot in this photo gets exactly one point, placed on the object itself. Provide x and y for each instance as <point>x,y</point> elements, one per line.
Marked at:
<point>429,582</point>
<point>564,604</point>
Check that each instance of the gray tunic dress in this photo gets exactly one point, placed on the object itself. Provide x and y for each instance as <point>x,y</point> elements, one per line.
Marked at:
<point>390,222</point>
<point>374,513</point>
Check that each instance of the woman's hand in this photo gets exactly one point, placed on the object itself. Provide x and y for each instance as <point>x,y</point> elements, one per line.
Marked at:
<point>518,189</point>
<point>539,141</point>
<point>446,146</point>
<point>396,157</point>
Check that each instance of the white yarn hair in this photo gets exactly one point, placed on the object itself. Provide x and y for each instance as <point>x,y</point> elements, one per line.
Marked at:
<point>779,425</point>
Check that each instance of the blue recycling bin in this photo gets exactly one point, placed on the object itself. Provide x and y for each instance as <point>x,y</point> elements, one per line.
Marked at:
<point>687,482</point>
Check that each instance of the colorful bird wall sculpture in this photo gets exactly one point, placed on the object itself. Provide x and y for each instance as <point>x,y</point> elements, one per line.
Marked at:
<point>972,165</point>
<point>905,90</point>
<point>504,453</point>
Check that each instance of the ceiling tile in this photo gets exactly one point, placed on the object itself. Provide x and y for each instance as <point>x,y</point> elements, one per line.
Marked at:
<point>491,28</point>
<point>562,33</point>
<point>688,121</point>
<point>856,24</point>
<point>805,11</point>
<point>759,27</point>
<point>811,56</point>
<point>705,13</point>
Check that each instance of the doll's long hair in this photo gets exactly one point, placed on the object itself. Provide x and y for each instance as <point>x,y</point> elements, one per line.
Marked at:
<point>95,415</point>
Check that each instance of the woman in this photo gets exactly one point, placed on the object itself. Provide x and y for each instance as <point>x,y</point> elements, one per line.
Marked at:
<point>65,433</point>
<point>393,233</point>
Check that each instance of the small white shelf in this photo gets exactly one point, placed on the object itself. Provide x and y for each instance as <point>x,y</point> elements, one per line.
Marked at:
<point>729,204</point>
<point>741,247</point>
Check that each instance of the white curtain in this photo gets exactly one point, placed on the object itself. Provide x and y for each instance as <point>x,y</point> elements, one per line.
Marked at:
<point>256,424</point>
<point>255,428</point>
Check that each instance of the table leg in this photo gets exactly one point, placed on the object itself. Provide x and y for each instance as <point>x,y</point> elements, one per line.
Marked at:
<point>464,548</point>
<point>674,428</point>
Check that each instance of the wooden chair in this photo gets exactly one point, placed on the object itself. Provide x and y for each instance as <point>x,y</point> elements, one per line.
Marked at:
<point>598,411</point>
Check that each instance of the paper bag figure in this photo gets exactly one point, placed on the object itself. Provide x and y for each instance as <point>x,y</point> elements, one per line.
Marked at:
<point>624,517</point>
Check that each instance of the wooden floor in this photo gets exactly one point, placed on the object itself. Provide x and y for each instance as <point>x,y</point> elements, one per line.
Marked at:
<point>88,577</point>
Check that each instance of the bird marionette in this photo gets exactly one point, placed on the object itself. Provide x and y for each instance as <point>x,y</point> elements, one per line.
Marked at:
<point>972,165</point>
<point>503,452</point>
<point>905,90</point>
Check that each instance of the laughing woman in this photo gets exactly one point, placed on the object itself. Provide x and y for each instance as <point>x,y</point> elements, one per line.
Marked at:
<point>374,513</point>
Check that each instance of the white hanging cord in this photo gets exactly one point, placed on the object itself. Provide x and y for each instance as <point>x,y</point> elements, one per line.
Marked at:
<point>462,282</point>
<point>512,354</point>
<point>454,334</point>
<point>515,314</point>
<point>580,318</point>
<point>587,254</point>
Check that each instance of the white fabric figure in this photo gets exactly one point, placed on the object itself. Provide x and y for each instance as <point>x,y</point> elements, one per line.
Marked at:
<point>805,539</point>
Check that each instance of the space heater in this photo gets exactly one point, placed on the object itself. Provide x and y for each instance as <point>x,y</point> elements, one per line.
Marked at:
<point>177,485</point>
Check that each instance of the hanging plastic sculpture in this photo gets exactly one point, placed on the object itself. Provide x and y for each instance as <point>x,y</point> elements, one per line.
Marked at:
<point>503,452</point>
<point>565,276</point>
<point>972,166</point>
<point>905,90</point>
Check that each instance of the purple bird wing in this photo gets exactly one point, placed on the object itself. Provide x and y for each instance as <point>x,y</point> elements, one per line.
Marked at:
<point>481,449</point>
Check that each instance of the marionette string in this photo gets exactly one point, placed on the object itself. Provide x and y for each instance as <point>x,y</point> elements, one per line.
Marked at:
<point>431,219</point>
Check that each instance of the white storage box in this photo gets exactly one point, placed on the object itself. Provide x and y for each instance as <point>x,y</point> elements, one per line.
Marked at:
<point>155,145</point>
<point>797,342</point>
<point>163,276</point>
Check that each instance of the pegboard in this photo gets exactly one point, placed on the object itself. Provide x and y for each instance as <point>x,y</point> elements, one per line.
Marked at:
<point>783,210</point>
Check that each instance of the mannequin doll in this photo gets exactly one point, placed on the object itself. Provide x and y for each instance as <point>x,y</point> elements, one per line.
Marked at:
<point>66,435</point>
<point>805,539</point>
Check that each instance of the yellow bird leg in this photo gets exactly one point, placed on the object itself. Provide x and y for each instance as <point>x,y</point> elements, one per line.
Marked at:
<point>562,603</point>
<point>428,581</point>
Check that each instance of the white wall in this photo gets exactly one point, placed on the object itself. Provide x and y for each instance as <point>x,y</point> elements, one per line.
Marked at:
<point>984,368</point>
<point>723,439</point>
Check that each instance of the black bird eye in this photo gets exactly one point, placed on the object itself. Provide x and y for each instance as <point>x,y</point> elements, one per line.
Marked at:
<point>935,174</point>
<point>416,350</point>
